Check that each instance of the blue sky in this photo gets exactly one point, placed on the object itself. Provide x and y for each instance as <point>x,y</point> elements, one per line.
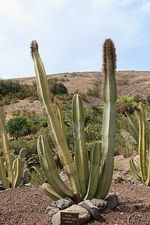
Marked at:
<point>71,33</point>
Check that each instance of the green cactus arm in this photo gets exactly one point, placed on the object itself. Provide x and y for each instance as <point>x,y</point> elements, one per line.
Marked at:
<point>81,153</point>
<point>50,169</point>
<point>5,147</point>
<point>135,170</point>
<point>94,171</point>
<point>59,113</point>
<point>148,175</point>
<point>56,131</point>
<point>49,191</point>
<point>142,143</point>
<point>109,118</point>
<point>18,169</point>
<point>3,176</point>
<point>23,153</point>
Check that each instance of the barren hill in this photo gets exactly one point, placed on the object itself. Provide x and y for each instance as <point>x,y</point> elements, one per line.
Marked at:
<point>129,83</point>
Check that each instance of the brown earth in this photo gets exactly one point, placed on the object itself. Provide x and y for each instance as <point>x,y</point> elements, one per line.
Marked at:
<point>131,83</point>
<point>27,205</point>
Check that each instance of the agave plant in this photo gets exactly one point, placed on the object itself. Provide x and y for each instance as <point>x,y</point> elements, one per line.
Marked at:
<point>88,178</point>
<point>141,169</point>
<point>12,167</point>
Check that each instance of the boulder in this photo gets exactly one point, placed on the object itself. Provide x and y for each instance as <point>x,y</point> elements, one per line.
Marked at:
<point>91,208</point>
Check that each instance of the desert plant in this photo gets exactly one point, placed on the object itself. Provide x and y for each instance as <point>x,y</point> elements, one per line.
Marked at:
<point>126,104</point>
<point>18,126</point>
<point>83,185</point>
<point>12,167</point>
<point>141,169</point>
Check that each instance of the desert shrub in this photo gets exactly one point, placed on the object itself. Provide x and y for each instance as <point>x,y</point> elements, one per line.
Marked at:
<point>9,87</point>
<point>16,112</point>
<point>93,123</point>
<point>18,126</point>
<point>94,92</point>
<point>56,87</point>
<point>139,98</point>
<point>126,104</point>
<point>16,145</point>
<point>12,91</point>
<point>148,100</point>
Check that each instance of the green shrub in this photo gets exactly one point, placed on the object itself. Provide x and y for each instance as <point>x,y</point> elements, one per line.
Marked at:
<point>56,87</point>
<point>18,126</point>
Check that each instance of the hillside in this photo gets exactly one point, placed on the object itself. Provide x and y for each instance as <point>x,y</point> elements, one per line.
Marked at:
<point>130,83</point>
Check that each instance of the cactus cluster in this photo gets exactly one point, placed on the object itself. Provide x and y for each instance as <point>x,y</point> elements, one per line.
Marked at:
<point>12,167</point>
<point>88,177</point>
<point>141,169</point>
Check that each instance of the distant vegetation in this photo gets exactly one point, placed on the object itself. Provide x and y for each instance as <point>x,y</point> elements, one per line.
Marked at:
<point>11,91</point>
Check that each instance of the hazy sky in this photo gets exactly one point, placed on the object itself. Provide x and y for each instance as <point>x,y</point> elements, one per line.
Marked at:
<point>70,34</point>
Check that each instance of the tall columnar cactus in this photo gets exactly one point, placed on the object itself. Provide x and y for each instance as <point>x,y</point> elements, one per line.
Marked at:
<point>109,118</point>
<point>141,169</point>
<point>54,125</point>
<point>89,178</point>
<point>12,168</point>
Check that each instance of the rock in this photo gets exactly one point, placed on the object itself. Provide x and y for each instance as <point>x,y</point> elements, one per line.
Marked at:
<point>112,201</point>
<point>121,163</point>
<point>101,204</point>
<point>64,203</point>
<point>91,208</point>
<point>118,177</point>
<point>51,210</point>
<point>84,215</point>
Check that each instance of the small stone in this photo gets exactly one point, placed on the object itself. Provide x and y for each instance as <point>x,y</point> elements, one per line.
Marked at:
<point>91,208</point>
<point>84,215</point>
<point>118,178</point>
<point>112,201</point>
<point>64,203</point>
<point>51,210</point>
<point>100,203</point>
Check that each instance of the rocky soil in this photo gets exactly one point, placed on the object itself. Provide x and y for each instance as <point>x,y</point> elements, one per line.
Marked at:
<point>27,205</point>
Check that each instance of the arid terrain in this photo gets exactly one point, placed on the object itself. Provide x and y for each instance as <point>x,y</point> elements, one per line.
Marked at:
<point>26,205</point>
<point>131,83</point>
